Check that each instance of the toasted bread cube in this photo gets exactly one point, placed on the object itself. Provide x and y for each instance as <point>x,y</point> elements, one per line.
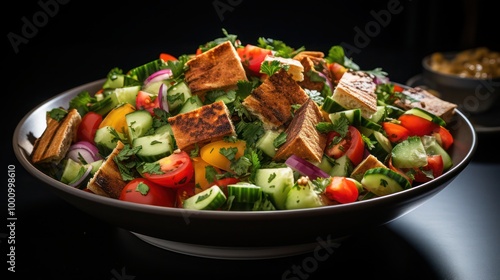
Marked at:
<point>356,89</point>
<point>421,98</point>
<point>107,180</point>
<point>217,68</point>
<point>369,162</point>
<point>271,102</point>
<point>55,141</point>
<point>303,139</point>
<point>208,123</point>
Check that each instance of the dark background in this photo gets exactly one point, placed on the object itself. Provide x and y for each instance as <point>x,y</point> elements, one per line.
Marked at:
<point>82,40</point>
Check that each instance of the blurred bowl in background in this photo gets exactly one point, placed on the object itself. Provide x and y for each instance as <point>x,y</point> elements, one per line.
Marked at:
<point>470,78</point>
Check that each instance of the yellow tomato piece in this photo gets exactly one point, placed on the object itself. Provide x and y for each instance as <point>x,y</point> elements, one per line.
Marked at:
<point>200,179</point>
<point>116,118</point>
<point>212,155</point>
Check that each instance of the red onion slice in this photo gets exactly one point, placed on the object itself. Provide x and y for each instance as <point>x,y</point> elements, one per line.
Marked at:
<point>162,94</point>
<point>85,150</point>
<point>306,168</point>
<point>157,76</point>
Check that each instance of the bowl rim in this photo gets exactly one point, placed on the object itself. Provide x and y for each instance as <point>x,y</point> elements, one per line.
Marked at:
<point>412,193</point>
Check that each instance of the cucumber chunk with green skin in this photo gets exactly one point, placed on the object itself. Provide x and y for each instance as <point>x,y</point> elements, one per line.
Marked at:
<point>432,147</point>
<point>154,147</point>
<point>409,153</point>
<point>276,183</point>
<point>352,115</point>
<point>127,94</point>
<point>177,95</point>
<point>209,199</point>
<point>72,171</point>
<point>383,181</point>
<point>139,123</point>
<point>106,139</point>
<point>192,103</point>
<point>426,115</point>
<point>303,196</point>
<point>342,167</point>
<point>266,142</point>
<point>244,193</point>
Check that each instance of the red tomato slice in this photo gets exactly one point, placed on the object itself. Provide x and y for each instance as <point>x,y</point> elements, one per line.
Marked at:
<point>434,166</point>
<point>252,57</point>
<point>146,101</point>
<point>88,126</point>
<point>443,136</point>
<point>177,168</point>
<point>141,190</point>
<point>351,145</point>
<point>341,190</point>
<point>167,57</point>
<point>395,132</point>
<point>417,125</point>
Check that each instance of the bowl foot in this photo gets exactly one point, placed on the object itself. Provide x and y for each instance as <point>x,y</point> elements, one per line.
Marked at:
<point>236,253</point>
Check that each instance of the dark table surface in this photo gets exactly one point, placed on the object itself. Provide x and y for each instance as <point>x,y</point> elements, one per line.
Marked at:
<point>455,235</point>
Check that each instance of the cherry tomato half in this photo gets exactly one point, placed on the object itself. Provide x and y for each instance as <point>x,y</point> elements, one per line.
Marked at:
<point>167,57</point>
<point>146,101</point>
<point>433,169</point>
<point>417,125</point>
<point>252,57</point>
<point>177,168</point>
<point>141,190</point>
<point>443,137</point>
<point>351,145</point>
<point>342,190</point>
<point>395,132</point>
<point>88,126</point>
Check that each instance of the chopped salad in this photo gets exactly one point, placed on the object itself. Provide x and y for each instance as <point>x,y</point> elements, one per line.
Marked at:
<point>245,127</point>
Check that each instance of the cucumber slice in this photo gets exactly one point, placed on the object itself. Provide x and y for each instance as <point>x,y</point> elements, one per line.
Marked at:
<point>105,105</point>
<point>342,167</point>
<point>244,193</point>
<point>154,147</point>
<point>266,142</point>
<point>379,115</point>
<point>370,124</point>
<point>166,128</point>
<point>432,147</point>
<point>177,95</point>
<point>302,196</point>
<point>276,183</point>
<point>353,115</point>
<point>331,106</point>
<point>105,139</point>
<point>382,145</point>
<point>72,171</point>
<point>426,115</point>
<point>127,94</point>
<point>114,81</point>
<point>209,199</point>
<point>139,122</point>
<point>393,112</point>
<point>383,181</point>
<point>140,73</point>
<point>192,103</point>
<point>409,153</point>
